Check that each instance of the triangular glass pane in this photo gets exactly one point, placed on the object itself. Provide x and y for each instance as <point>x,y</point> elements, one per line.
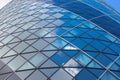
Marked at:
<point>73,71</point>
<point>65,75</point>
<point>41,32</point>
<point>71,53</point>
<point>89,47</point>
<point>108,50</point>
<point>50,35</point>
<point>33,30</point>
<point>49,53</point>
<point>72,63</point>
<point>13,44</point>
<point>37,75</point>
<point>3,77</point>
<point>11,52</point>
<point>115,67</point>
<point>32,37</point>
<point>6,60</point>
<point>29,55</point>
<point>82,58</point>
<point>30,41</point>
<point>94,64</point>
<point>19,30</point>
<point>109,76</point>
<point>5,69</point>
<point>15,40</point>
<point>49,72</point>
<point>16,34</point>
<point>49,39</point>
<point>84,74</point>
<point>48,64</point>
<point>27,65</point>
<point>50,47</point>
<point>29,49</point>
<point>38,59</point>
<point>59,43</point>
<point>24,74</point>
<point>97,72</point>
<point>67,35</point>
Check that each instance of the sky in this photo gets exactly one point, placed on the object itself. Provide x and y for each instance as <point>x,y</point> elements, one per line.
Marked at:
<point>113,3</point>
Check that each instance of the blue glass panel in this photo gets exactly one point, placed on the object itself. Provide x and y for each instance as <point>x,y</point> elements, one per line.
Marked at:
<point>109,76</point>
<point>89,24</point>
<point>89,48</point>
<point>96,72</point>
<point>85,75</point>
<point>82,58</point>
<point>94,64</point>
<point>69,39</point>
<point>59,43</point>
<point>71,53</point>
<point>73,16</point>
<point>118,61</point>
<point>74,22</point>
<point>104,60</point>
<point>76,32</point>
<point>108,24</point>
<point>108,36</point>
<point>115,48</point>
<point>115,67</point>
<point>117,73</point>
<point>60,58</point>
<point>93,54</point>
<point>79,43</point>
<point>113,57</point>
<point>93,33</point>
<point>97,45</point>
<point>59,31</point>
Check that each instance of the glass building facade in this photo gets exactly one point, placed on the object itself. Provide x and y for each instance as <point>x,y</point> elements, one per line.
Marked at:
<point>59,40</point>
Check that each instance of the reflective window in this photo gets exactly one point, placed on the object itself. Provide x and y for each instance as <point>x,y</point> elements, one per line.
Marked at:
<point>60,58</point>
<point>16,63</point>
<point>38,59</point>
<point>82,58</point>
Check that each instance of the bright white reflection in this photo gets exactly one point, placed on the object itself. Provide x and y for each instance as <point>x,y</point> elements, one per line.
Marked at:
<point>70,48</point>
<point>73,71</point>
<point>4,2</point>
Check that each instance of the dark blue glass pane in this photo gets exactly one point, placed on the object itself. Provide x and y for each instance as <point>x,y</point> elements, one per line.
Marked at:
<point>59,43</point>
<point>96,72</point>
<point>108,24</point>
<point>79,43</point>
<point>60,58</point>
<point>59,31</point>
<point>103,59</point>
<point>82,58</point>
<point>85,75</point>
<point>98,45</point>
<point>109,76</point>
<point>71,53</point>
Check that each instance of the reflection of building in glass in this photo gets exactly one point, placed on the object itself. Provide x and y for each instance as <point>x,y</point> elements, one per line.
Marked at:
<point>59,40</point>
